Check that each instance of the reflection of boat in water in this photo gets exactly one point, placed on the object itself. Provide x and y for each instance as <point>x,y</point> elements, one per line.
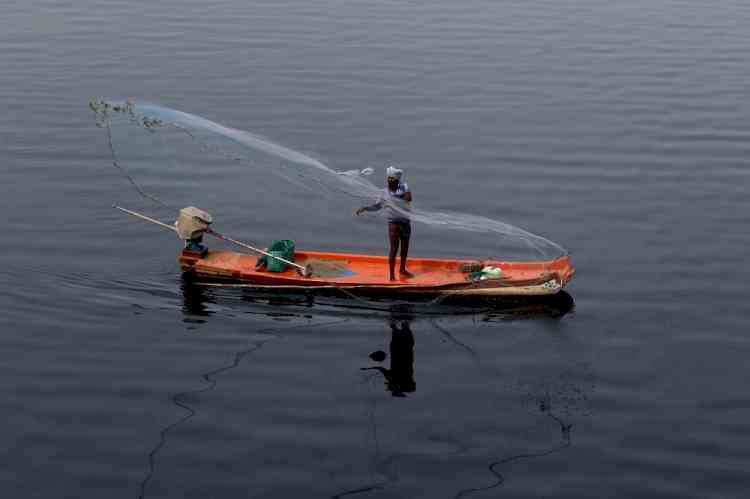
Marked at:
<point>397,368</point>
<point>368,274</point>
<point>200,297</point>
<point>408,383</point>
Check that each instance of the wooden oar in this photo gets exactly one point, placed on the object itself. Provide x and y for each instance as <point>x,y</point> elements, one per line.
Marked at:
<point>305,271</point>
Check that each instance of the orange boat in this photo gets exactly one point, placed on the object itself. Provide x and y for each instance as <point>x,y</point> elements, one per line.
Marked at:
<point>364,273</point>
<point>370,273</point>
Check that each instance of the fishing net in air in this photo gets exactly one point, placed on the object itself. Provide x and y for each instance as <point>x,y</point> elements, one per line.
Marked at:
<point>261,190</point>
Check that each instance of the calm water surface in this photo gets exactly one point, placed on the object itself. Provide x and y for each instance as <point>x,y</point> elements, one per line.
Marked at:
<point>618,129</point>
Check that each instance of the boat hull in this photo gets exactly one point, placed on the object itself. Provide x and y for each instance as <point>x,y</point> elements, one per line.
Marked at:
<point>368,273</point>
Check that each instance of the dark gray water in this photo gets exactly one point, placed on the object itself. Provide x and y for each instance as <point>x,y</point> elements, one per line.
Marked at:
<point>618,129</point>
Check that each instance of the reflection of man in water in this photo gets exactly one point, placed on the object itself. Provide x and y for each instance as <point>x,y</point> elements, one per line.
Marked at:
<point>399,379</point>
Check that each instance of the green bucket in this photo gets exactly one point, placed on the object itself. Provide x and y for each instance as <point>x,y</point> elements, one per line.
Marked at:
<point>284,249</point>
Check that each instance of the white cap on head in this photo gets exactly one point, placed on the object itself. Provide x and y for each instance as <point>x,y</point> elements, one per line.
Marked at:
<point>394,172</point>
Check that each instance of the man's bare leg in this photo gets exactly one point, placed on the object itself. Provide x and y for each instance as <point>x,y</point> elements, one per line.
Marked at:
<point>404,256</point>
<point>394,240</point>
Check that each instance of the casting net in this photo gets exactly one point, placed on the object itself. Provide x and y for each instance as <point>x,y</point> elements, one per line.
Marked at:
<point>260,190</point>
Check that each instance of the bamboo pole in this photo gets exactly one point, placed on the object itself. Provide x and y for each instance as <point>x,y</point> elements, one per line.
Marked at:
<point>144,217</point>
<point>305,271</point>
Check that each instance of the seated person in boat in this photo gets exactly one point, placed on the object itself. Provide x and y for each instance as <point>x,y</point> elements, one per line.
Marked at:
<point>396,198</point>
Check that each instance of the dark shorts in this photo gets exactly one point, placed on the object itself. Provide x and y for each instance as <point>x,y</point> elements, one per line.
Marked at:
<point>399,230</point>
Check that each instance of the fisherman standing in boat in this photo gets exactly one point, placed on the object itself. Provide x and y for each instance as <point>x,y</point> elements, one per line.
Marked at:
<point>397,198</point>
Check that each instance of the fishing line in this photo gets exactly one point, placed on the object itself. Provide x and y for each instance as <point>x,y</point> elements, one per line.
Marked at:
<point>179,398</point>
<point>565,429</point>
<point>126,174</point>
<point>472,353</point>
